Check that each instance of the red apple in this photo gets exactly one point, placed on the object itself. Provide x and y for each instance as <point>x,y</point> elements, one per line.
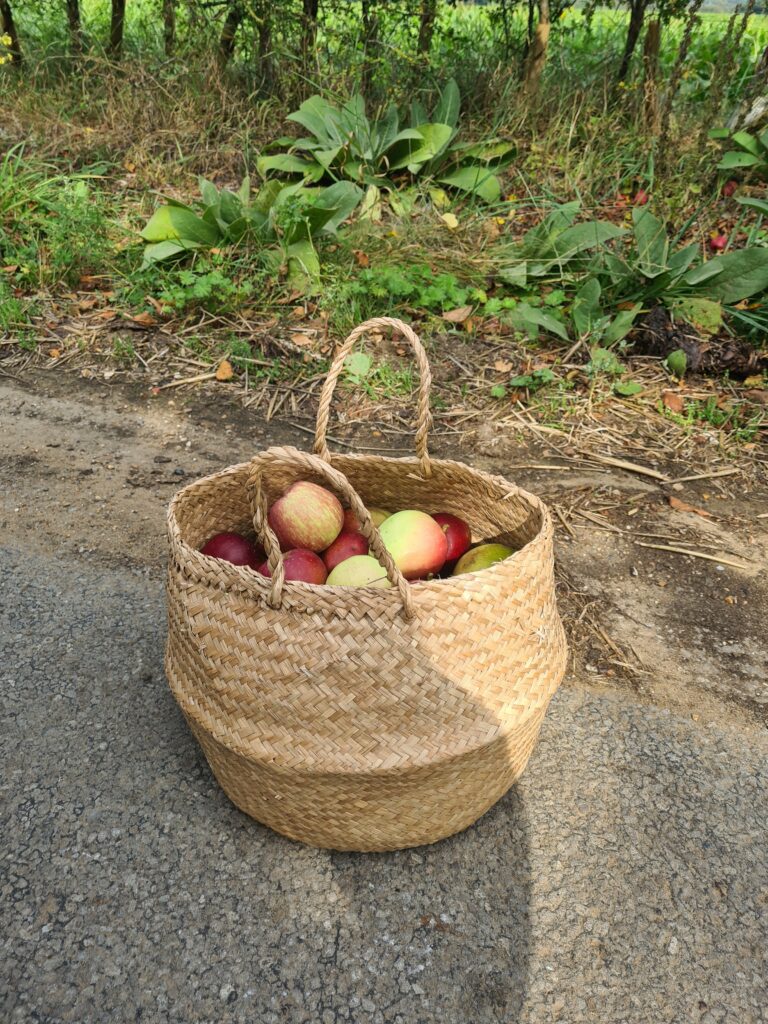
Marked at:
<point>352,523</point>
<point>307,516</point>
<point>457,533</point>
<point>234,548</point>
<point>729,188</point>
<point>358,571</point>
<point>718,242</point>
<point>481,557</point>
<point>301,566</point>
<point>416,542</point>
<point>641,197</point>
<point>347,544</point>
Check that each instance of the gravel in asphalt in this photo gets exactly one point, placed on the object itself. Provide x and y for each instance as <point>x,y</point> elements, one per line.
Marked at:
<point>622,881</point>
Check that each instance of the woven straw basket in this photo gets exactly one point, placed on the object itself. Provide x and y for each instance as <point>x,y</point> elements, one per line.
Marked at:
<point>363,718</point>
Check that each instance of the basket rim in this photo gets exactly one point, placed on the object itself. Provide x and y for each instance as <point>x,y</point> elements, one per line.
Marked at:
<point>196,567</point>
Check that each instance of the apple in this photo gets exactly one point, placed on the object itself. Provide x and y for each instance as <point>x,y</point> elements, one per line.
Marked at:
<point>234,548</point>
<point>307,516</point>
<point>352,523</point>
<point>347,544</point>
<point>718,242</point>
<point>416,542</point>
<point>457,533</point>
<point>301,566</point>
<point>481,557</point>
<point>729,188</point>
<point>358,571</point>
<point>641,197</point>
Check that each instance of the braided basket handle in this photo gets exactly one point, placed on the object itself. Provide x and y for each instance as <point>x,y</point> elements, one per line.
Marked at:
<point>314,464</point>
<point>425,382</point>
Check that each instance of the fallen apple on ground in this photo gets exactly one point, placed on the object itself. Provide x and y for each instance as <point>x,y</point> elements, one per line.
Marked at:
<point>416,542</point>
<point>307,516</point>
<point>301,566</point>
<point>457,534</point>
<point>234,548</point>
<point>481,557</point>
<point>346,545</point>
<point>358,571</point>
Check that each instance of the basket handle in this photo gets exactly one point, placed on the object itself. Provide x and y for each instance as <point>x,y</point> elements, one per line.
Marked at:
<point>314,464</point>
<point>424,418</point>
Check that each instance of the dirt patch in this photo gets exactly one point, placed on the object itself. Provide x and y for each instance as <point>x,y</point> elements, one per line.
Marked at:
<point>88,469</point>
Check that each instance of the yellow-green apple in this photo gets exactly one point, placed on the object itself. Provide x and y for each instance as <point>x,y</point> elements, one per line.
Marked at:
<point>481,557</point>
<point>416,542</point>
<point>358,571</point>
<point>307,516</point>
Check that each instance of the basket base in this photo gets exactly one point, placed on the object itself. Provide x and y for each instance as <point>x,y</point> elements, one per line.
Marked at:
<point>392,810</point>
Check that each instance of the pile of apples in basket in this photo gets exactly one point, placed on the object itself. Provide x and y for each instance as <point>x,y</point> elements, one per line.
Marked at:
<point>322,543</point>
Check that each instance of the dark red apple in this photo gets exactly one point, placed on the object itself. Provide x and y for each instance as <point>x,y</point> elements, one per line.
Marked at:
<point>457,533</point>
<point>347,544</point>
<point>234,548</point>
<point>307,516</point>
<point>301,566</point>
<point>729,188</point>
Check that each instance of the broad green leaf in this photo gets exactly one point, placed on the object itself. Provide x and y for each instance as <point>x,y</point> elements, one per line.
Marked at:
<point>176,223</point>
<point>290,164</point>
<point>761,205</point>
<point>231,208</point>
<point>303,265</point>
<point>677,363</point>
<point>492,152</point>
<point>747,141</point>
<point>537,242</point>
<point>581,237</point>
<point>370,208</point>
<point>418,114</point>
<point>679,261</point>
<point>718,133</point>
<point>621,324</point>
<point>515,274</point>
<point>327,157</point>
<point>498,391</point>
<point>449,105</point>
<point>265,198</point>
<point>738,275</point>
<point>339,200</point>
<point>735,159</point>
<point>433,139</point>
<point>705,314</point>
<point>627,388</point>
<point>244,192</point>
<point>162,251</point>
<point>476,180</point>
<point>529,319</point>
<point>209,192</point>
<point>586,306</point>
<point>652,242</point>
<point>357,366</point>
<point>321,119</point>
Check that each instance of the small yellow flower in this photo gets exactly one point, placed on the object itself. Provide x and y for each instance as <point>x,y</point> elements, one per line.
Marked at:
<point>511,198</point>
<point>501,220</point>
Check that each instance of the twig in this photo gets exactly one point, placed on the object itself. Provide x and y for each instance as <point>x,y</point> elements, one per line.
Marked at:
<point>707,476</point>
<point>187,380</point>
<point>631,467</point>
<point>695,554</point>
<point>347,444</point>
<point>566,526</point>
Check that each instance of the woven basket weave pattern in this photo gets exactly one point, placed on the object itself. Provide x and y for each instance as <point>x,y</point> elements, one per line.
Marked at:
<point>335,717</point>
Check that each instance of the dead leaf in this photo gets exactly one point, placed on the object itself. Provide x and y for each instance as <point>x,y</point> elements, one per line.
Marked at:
<point>145,319</point>
<point>288,299</point>
<point>129,166</point>
<point>11,269</point>
<point>105,314</point>
<point>502,366</point>
<point>450,220</point>
<point>760,397</point>
<point>469,324</point>
<point>361,258</point>
<point>85,304</point>
<point>54,353</point>
<point>683,506</point>
<point>154,304</point>
<point>754,382</point>
<point>491,229</point>
<point>302,339</point>
<point>298,312</point>
<point>674,401</point>
<point>224,370</point>
<point>458,316</point>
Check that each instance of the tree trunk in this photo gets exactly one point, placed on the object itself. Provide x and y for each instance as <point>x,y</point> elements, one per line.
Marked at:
<point>651,74</point>
<point>537,55</point>
<point>265,46</point>
<point>636,18</point>
<point>229,31</point>
<point>115,48</point>
<point>169,26</point>
<point>75,28</point>
<point>426,26</point>
<point>370,33</point>
<point>9,29</point>
<point>309,31</point>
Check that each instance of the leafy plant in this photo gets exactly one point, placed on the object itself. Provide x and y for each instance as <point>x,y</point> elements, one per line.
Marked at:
<point>287,215</point>
<point>344,143</point>
<point>751,151</point>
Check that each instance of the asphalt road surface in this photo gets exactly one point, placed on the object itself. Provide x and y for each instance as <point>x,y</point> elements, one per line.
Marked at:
<point>621,881</point>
